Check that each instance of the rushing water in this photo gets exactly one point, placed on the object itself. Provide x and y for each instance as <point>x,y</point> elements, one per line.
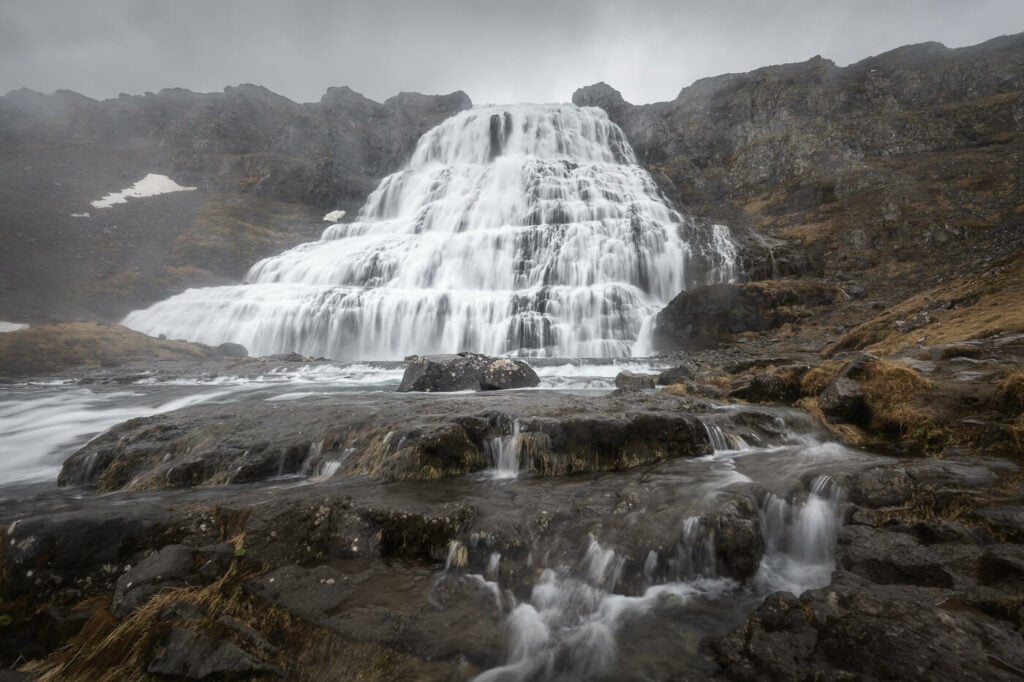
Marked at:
<point>42,423</point>
<point>526,229</point>
<point>575,623</point>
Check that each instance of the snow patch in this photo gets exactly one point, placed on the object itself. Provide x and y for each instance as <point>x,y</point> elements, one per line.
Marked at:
<point>334,216</point>
<point>149,186</point>
<point>11,327</point>
<point>80,215</point>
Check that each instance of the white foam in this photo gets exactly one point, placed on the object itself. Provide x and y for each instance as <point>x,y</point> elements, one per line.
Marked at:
<point>11,327</point>
<point>150,186</point>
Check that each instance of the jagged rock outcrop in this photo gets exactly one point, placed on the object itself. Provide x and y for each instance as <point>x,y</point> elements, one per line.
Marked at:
<point>925,581</point>
<point>705,317</point>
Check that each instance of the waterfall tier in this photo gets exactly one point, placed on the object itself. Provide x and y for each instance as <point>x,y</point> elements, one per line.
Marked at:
<point>526,230</point>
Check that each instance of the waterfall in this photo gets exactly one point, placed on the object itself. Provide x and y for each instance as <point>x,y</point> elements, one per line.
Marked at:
<point>504,451</point>
<point>527,230</point>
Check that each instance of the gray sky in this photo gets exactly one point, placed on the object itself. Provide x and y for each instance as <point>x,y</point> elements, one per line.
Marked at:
<point>496,50</point>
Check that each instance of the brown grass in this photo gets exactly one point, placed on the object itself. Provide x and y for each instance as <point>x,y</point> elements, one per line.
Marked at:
<point>1017,434</point>
<point>815,381</point>
<point>232,231</point>
<point>677,389</point>
<point>108,651</point>
<point>893,392</point>
<point>55,347</point>
<point>1009,394</point>
<point>723,381</point>
<point>809,233</point>
<point>848,433</point>
<point>973,307</point>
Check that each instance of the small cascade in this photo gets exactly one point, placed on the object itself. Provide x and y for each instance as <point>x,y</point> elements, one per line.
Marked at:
<point>569,626</point>
<point>722,441</point>
<point>317,467</point>
<point>695,551</point>
<point>504,452</point>
<point>458,556</point>
<point>602,565</point>
<point>800,536</point>
<point>538,235</point>
<point>493,564</point>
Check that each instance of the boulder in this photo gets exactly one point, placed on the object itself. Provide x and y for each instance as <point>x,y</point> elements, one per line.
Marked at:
<point>632,381</point>
<point>231,350</point>
<point>768,388</point>
<point>675,375</point>
<point>705,317</point>
<point>843,401</point>
<point>172,566</point>
<point>465,372</point>
<point>194,656</point>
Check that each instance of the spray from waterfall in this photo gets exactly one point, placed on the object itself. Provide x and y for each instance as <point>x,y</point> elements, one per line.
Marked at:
<point>526,230</point>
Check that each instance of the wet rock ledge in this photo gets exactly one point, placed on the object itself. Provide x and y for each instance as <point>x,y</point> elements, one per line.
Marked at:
<point>391,437</point>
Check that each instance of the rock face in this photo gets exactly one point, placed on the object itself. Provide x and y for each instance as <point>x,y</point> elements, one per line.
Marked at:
<point>267,170</point>
<point>708,316</point>
<point>919,588</point>
<point>840,161</point>
<point>465,371</point>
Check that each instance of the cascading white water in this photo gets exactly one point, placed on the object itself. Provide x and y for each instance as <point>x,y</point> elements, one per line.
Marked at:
<point>504,451</point>
<point>568,629</point>
<point>527,229</point>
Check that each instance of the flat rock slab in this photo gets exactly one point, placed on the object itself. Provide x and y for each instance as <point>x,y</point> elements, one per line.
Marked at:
<point>394,437</point>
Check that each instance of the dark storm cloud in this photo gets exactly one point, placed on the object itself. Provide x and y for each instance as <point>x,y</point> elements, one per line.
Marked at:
<point>497,51</point>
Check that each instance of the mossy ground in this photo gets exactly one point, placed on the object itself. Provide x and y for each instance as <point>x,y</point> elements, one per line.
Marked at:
<point>55,347</point>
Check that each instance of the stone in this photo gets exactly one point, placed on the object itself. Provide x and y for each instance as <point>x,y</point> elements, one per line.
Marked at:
<point>675,375</point>
<point>883,486</point>
<point>465,371</point>
<point>231,350</point>
<point>768,388</point>
<point>194,656</point>
<point>172,566</point>
<point>843,401</point>
<point>633,381</point>
<point>708,316</point>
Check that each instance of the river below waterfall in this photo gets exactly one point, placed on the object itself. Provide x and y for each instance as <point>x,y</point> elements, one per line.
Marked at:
<point>625,582</point>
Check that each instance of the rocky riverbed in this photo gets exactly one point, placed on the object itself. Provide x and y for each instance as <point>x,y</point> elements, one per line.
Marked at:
<point>629,533</point>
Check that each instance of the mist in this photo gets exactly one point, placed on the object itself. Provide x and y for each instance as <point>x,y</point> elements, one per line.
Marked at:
<point>495,51</point>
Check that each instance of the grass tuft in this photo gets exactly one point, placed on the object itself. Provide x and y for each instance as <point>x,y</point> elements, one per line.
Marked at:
<point>1009,394</point>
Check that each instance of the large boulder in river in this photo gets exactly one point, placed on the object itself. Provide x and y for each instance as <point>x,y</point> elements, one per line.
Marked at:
<point>633,381</point>
<point>465,372</point>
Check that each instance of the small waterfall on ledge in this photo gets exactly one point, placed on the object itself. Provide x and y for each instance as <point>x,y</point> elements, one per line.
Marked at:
<point>526,230</point>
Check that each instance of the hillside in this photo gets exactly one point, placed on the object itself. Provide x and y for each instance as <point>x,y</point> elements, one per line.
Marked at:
<point>267,169</point>
<point>888,177</point>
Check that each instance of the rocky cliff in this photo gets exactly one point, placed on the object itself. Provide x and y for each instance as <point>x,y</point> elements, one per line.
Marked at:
<point>266,169</point>
<point>888,176</point>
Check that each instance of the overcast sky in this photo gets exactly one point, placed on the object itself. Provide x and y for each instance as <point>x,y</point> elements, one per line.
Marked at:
<point>497,51</point>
